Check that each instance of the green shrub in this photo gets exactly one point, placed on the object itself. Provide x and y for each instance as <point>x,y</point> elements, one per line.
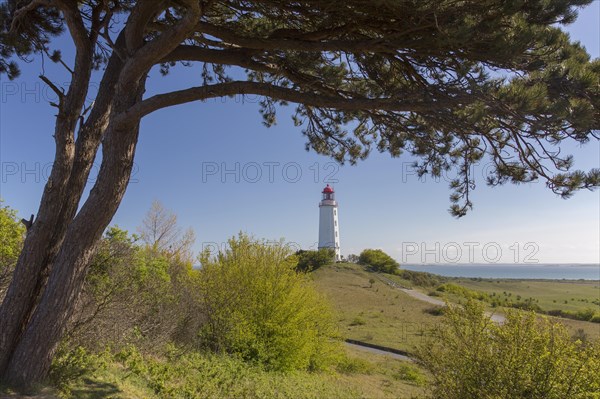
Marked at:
<point>353,365</point>
<point>435,310</point>
<point>422,279</point>
<point>134,294</point>
<point>11,241</point>
<point>463,292</point>
<point>378,261</point>
<point>257,306</point>
<point>313,260</point>
<point>70,364</point>
<point>406,372</point>
<point>526,305</point>
<point>586,314</point>
<point>471,357</point>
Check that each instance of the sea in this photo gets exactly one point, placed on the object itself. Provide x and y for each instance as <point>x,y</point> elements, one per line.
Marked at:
<point>544,271</point>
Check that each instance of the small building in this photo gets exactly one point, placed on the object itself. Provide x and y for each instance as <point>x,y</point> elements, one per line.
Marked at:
<point>329,229</point>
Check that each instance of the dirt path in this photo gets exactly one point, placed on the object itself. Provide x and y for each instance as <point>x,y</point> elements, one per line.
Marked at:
<point>497,318</point>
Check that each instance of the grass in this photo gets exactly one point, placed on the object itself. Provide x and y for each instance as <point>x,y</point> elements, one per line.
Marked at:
<point>563,295</point>
<point>130,374</point>
<point>567,296</point>
<point>378,314</point>
<point>367,311</point>
<point>380,376</point>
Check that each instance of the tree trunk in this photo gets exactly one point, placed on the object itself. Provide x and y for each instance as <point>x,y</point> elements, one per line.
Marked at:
<point>60,201</point>
<point>43,239</point>
<point>36,309</point>
<point>49,320</point>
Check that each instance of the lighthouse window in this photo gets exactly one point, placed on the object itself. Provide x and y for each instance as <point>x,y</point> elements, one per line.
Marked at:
<point>336,233</point>
<point>334,212</point>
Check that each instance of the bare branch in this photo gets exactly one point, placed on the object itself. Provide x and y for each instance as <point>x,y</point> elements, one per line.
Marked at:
<point>27,223</point>
<point>60,93</point>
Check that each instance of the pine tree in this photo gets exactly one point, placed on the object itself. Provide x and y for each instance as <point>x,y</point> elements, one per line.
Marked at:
<point>448,82</point>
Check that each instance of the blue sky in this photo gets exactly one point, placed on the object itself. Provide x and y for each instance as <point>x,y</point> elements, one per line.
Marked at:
<point>221,171</point>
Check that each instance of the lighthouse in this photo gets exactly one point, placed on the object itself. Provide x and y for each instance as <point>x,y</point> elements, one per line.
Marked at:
<point>329,230</point>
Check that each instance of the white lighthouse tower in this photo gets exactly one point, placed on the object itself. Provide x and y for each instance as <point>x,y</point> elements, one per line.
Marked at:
<point>329,230</point>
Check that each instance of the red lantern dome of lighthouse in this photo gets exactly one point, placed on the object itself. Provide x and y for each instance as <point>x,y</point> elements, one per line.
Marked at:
<point>328,194</point>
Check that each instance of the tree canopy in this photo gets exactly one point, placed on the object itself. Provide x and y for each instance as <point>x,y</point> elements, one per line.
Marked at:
<point>447,82</point>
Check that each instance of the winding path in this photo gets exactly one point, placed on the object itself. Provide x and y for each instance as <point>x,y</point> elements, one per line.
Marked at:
<point>497,318</point>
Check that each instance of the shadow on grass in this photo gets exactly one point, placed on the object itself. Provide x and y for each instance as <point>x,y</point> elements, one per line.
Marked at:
<point>87,389</point>
<point>91,389</point>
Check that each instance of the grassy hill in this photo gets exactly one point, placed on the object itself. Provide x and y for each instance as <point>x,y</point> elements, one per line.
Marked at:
<point>563,295</point>
<point>380,314</point>
<point>374,312</point>
<point>367,309</point>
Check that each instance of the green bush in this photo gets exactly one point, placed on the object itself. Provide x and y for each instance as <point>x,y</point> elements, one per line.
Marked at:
<point>526,305</point>
<point>134,294</point>
<point>583,315</point>
<point>378,261</point>
<point>71,364</point>
<point>471,357</point>
<point>464,292</point>
<point>352,365</point>
<point>422,279</point>
<point>586,314</point>
<point>11,241</point>
<point>410,374</point>
<point>312,260</point>
<point>435,310</point>
<point>258,307</point>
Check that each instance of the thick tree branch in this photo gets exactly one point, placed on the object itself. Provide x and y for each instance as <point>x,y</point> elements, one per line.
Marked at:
<point>139,18</point>
<point>276,92</point>
<point>148,55</point>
